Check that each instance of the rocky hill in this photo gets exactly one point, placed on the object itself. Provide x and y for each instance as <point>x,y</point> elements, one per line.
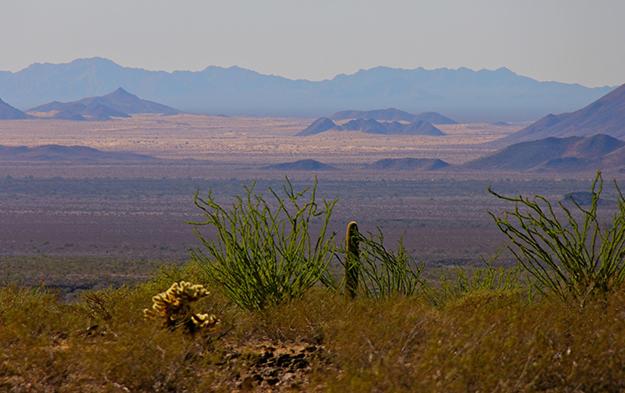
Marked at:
<point>7,112</point>
<point>372,126</point>
<point>605,116</point>
<point>393,114</point>
<point>119,103</point>
<point>300,165</point>
<point>408,164</point>
<point>574,153</point>
<point>47,153</point>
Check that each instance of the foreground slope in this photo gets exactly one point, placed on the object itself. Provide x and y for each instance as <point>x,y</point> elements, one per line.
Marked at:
<point>100,342</point>
<point>606,116</point>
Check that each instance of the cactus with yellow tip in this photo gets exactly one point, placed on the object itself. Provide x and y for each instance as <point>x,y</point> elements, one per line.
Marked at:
<point>174,307</point>
<point>352,262</point>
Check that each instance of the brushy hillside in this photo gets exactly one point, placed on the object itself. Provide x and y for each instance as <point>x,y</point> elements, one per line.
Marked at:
<point>485,340</point>
<point>261,309</point>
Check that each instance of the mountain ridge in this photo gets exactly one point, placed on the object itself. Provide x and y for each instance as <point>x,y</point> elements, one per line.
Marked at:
<point>119,103</point>
<point>408,164</point>
<point>8,112</point>
<point>74,153</point>
<point>393,114</point>
<point>300,165</point>
<point>573,153</point>
<point>372,126</point>
<point>605,115</point>
<point>504,95</point>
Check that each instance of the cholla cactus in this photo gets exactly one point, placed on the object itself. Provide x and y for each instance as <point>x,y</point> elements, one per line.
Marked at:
<point>174,307</point>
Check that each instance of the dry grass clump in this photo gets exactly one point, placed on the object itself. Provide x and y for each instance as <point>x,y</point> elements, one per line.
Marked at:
<point>482,340</point>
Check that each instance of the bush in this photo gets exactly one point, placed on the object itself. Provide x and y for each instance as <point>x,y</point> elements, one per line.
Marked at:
<point>264,252</point>
<point>568,254</point>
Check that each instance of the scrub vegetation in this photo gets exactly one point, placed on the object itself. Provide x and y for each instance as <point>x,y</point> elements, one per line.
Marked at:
<point>265,305</point>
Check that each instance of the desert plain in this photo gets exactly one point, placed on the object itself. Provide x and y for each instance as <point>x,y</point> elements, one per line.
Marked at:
<point>134,215</point>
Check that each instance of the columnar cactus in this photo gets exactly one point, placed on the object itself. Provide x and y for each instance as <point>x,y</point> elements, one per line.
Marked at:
<point>352,263</point>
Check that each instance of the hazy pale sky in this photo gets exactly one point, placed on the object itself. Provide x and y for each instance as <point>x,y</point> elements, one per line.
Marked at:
<point>579,41</point>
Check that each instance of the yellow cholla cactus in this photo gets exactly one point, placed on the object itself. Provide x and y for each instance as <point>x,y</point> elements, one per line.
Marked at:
<point>174,307</point>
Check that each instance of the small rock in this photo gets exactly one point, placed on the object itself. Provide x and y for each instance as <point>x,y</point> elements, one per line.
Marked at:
<point>284,360</point>
<point>300,363</point>
<point>273,381</point>
<point>288,376</point>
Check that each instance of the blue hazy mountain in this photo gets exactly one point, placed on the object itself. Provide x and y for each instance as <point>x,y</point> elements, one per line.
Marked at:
<point>408,164</point>
<point>574,153</point>
<point>7,112</point>
<point>606,116</point>
<point>393,114</point>
<point>300,165</point>
<point>461,93</point>
<point>371,126</point>
<point>119,103</point>
<point>67,154</point>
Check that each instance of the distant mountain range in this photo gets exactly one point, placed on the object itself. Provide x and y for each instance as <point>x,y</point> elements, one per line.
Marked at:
<point>371,126</point>
<point>58,153</point>
<point>119,103</point>
<point>574,153</point>
<point>606,115</point>
<point>7,112</point>
<point>466,95</point>
<point>393,114</point>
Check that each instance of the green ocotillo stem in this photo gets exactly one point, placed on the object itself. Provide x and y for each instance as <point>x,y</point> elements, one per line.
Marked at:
<point>352,262</point>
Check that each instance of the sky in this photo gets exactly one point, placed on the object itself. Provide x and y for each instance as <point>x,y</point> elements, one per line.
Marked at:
<point>576,41</point>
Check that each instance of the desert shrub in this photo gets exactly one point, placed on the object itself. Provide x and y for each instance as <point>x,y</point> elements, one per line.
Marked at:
<point>569,254</point>
<point>382,272</point>
<point>264,252</point>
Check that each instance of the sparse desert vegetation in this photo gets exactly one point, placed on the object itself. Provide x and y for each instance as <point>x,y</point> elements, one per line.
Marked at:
<point>247,140</point>
<point>301,196</point>
<point>404,328</point>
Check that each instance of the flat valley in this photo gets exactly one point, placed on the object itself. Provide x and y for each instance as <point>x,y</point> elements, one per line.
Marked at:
<point>132,211</point>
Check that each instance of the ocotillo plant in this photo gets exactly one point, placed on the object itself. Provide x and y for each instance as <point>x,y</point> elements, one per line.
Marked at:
<point>352,265</point>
